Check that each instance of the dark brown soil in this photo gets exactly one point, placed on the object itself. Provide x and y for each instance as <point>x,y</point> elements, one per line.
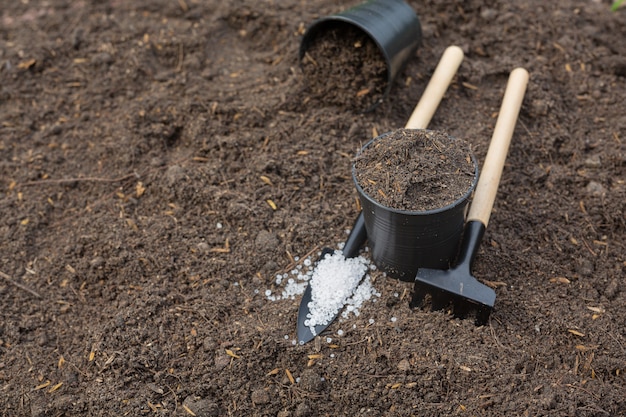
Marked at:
<point>159,165</point>
<point>343,66</point>
<point>415,170</point>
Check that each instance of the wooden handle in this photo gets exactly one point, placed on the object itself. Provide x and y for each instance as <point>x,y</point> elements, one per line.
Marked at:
<point>436,88</point>
<point>487,186</point>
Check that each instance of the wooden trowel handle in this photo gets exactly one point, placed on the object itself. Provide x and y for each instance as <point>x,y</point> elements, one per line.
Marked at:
<point>487,186</point>
<point>436,88</point>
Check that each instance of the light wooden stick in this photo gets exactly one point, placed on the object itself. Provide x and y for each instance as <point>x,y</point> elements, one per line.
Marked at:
<point>436,88</point>
<point>489,179</point>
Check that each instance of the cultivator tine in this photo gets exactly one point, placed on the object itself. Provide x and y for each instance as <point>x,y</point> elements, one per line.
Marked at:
<point>419,297</point>
<point>482,315</point>
<point>438,301</point>
<point>461,309</point>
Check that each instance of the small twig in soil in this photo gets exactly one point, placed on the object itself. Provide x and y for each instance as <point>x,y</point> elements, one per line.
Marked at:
<point>309,58</point>
<point>18,285</point>
<point>437,145</point>
<point>292,264</point>
<point>181,54</point>
<point>596,409</point>
<point>495,337</point>
<point>85,179</point>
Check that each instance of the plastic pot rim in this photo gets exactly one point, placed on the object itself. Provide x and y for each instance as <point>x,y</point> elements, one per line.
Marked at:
<point>396,45</point>
<point>430,212</point>
<point>318,25</point>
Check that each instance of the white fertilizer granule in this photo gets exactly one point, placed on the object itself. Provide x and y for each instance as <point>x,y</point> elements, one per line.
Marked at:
<point>335,283</point>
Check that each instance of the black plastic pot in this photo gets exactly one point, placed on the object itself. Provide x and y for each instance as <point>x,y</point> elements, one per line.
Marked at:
<point>391,24</point>
<point>402,241</point>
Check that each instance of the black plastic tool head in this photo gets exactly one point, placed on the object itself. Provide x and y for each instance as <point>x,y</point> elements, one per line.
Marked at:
<point>356,239</point>
<point>456,288</point>
<point>304,332</point>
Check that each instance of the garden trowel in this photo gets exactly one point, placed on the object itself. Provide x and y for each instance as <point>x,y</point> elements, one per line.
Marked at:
<point>423,112</point>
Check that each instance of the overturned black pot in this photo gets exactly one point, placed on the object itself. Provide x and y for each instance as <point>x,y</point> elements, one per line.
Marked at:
<point>402,241</point>
<point>391,24</point>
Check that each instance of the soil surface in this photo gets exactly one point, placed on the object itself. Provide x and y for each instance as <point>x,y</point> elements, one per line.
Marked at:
<point>416,170</point>
<point>160,164</point>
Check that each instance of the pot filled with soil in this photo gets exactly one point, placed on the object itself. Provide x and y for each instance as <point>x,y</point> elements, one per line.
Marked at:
<point>414,186</point>
<point>352,58</point>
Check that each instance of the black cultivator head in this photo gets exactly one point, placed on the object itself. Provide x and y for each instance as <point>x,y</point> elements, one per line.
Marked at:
<point>456,290</point>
